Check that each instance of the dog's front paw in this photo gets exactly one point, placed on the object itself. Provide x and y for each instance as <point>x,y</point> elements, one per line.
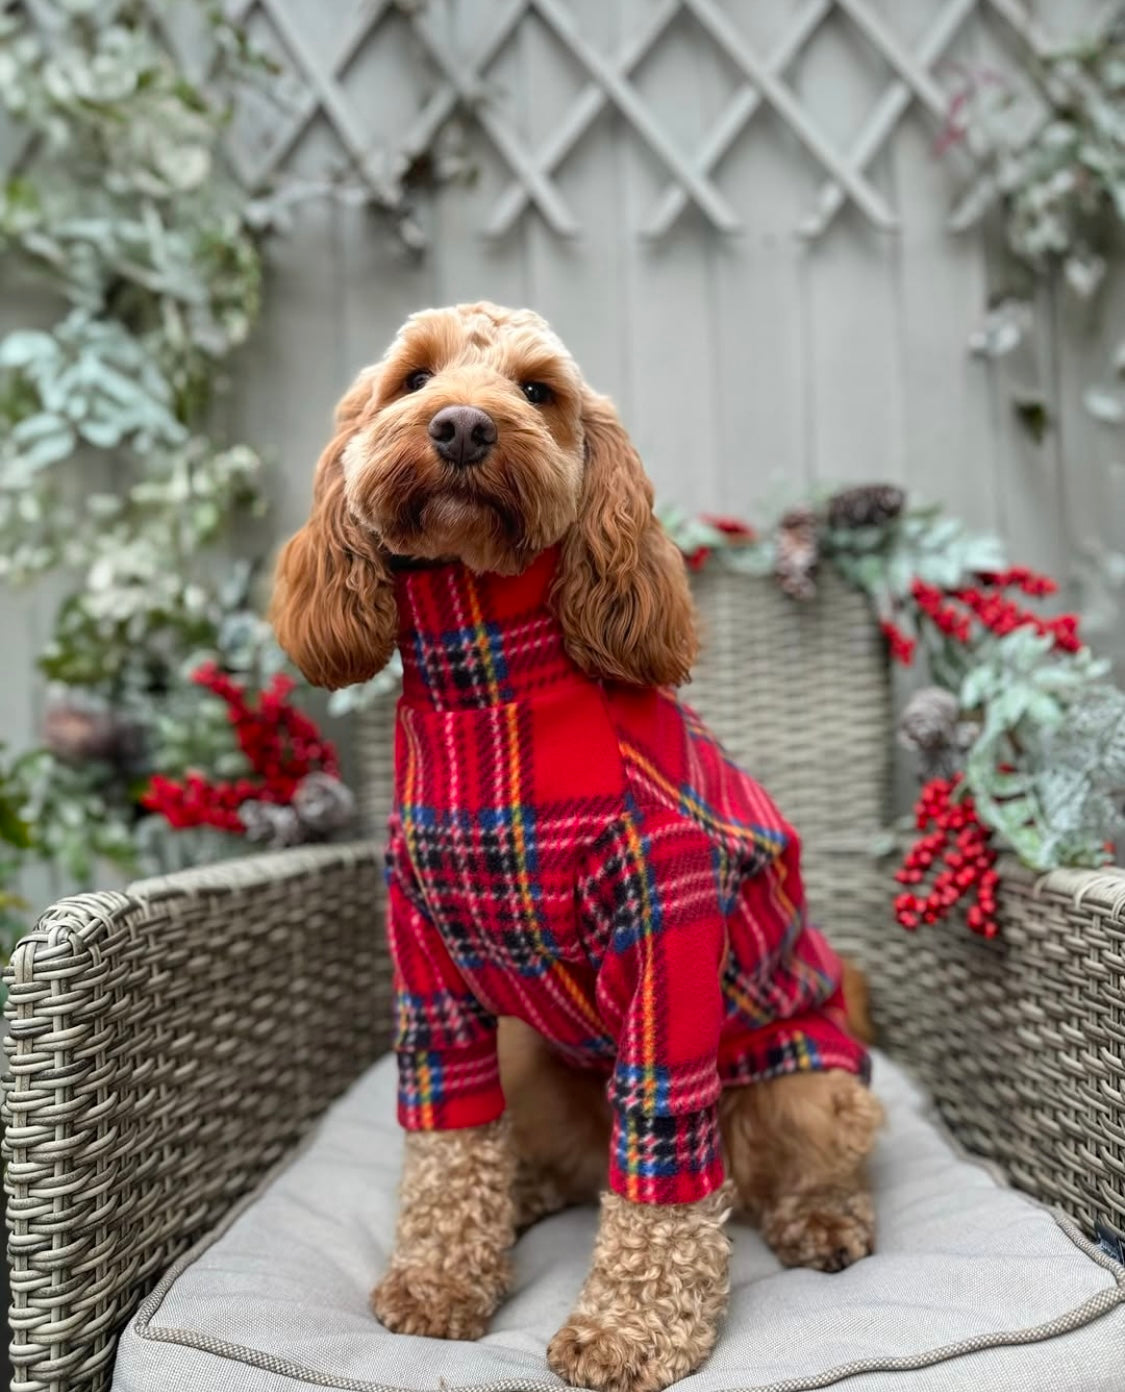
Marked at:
<point>650,1309</point>
<point>433,1303</point>
<point>826,1231</point>
<point>615,1351</point>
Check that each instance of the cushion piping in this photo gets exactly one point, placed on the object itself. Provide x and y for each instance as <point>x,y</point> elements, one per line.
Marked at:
<point>1094,1307</point>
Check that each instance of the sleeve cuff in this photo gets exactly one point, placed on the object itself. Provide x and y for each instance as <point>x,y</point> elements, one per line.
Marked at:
<point>672,1159</point>
<point>449,1091</point>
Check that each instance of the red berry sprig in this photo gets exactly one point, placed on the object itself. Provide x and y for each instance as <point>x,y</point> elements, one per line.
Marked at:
<point>944,616</point>
<point>993,610</point>
<point>959,843</point>
<point>281,744</point>
<point>1031,582</point>
<point>736,533</point>
<point>901,644</point>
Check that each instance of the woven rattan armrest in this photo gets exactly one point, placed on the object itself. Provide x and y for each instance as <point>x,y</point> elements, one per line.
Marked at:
<point>1021,1040</point>
<point>167,1045</point>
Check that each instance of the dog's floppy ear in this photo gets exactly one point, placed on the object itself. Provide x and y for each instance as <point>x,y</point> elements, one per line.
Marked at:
<point>622,592</point>
<point>333,607</point>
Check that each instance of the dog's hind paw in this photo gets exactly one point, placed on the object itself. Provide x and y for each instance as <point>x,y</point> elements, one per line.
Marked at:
<point>826,1231</point>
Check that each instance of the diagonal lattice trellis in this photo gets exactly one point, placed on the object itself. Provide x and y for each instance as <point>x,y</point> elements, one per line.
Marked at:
<point>462,88</point>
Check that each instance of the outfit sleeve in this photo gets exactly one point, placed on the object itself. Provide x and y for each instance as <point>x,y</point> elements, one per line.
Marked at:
<point>445,1040</point>
<point>650,896</point>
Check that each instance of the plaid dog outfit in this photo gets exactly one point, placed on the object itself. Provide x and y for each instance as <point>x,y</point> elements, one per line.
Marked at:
<point>585,857</point>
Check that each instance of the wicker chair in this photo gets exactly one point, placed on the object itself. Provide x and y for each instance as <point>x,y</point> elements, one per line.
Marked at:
<point>169,1043</point>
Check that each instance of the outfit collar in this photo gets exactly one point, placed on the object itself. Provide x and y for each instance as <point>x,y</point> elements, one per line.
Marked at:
<point>470,640</point>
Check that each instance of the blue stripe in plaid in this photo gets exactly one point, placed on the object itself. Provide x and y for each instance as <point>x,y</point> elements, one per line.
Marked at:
<point>794,1056</point>
<point>421,1078</point>
<point>634,1087</point>
<point>657,1147</point>
<point>471,658</point>
<point>512,929</point>
<point>637,909</point>
<point>769,841</point>
<point>440,1020</point>
<point>728,880</point>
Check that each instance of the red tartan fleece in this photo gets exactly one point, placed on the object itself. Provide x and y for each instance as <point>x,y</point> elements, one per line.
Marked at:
<point>586,858</point>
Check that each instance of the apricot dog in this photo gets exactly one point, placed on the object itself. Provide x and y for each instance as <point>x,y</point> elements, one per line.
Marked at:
<point>605,982</point>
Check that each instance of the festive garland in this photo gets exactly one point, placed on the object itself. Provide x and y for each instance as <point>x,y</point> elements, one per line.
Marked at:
<point>1022,741</point>
<point>290,790</point>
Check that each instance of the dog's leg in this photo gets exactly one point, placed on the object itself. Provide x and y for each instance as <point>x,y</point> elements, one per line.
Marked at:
<point>450,1267</point>
<point>560,1125</point>
<point>649,1311</point>
<point>796,1148</point>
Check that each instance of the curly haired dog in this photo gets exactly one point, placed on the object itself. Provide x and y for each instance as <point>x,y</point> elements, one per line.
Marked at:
<point>605,983</point>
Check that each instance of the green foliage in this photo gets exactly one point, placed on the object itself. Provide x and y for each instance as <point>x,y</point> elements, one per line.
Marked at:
<point>1050,153</point>
<point>366,694</point>
<point>119,211</point>
<point>1032,768</point>
<point>1047,766</point>
<point>15,839</point>
<point>1080,779</point>
<point>78,815</point>
<point>699,538</point>
<point>921,545</point>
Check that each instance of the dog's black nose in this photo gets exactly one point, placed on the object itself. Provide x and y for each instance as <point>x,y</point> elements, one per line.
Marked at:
<point>462,434</point>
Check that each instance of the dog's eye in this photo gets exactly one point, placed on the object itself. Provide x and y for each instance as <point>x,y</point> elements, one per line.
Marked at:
<point>538,393</point>
<point>417,380</point>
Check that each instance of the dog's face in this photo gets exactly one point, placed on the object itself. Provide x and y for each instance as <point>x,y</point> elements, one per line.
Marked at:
<point>476,440</point>
<point>471,444</point>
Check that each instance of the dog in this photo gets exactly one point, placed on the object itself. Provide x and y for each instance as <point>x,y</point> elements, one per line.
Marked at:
<point>605,984</point>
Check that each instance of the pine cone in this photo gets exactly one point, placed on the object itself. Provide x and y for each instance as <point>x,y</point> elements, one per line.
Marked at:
<point>275,825</point>
<point>78,732</point>
<point>929,725</point>
<point>323,804</point>
<point>798,552</point>
<point>868,506</point>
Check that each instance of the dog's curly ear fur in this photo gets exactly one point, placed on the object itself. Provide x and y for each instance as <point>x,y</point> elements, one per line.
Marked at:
<point>622,592</point>
<point>333,607</point>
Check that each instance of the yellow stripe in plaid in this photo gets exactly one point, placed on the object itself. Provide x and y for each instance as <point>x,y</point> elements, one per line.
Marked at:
<point>531,916</point>
<point>648,997</point>
<point>426,1095</point>
<point>682,797</point>
<point>481,638</point>
<point>794,916</point>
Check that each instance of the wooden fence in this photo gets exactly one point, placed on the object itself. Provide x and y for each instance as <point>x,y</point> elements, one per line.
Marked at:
<point>731,210</point>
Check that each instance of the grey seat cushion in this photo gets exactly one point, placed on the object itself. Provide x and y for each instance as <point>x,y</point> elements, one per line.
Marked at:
<point>973,1286</point>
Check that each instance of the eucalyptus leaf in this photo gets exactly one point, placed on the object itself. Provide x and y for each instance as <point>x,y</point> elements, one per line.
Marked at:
<point>1104,405</point>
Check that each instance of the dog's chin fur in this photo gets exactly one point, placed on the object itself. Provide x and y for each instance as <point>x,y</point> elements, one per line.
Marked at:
<point>473,531</point>
<point>494,516</point>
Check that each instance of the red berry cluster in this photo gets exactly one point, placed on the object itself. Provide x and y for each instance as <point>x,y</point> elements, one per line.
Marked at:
<point>738,532</point>
<point>1031,582</point>
<point>956,839</point>
<point>731,526</point>
<point>281,744</point>
<point>995,612</point>
<point>1002,616</point>
<point>944,616</point>
<point>901,645</point>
